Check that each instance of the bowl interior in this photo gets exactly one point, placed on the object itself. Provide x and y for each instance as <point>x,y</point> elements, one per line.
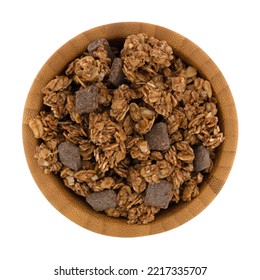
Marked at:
<point>74,207</point>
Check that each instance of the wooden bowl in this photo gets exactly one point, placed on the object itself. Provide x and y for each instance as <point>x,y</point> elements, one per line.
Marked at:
<point>73,206</point>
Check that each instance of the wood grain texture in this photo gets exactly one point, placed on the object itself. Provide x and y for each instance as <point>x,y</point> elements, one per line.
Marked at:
<point>75,208</point>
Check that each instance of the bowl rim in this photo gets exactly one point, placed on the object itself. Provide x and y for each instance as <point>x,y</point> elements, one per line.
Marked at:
<point>73,207</point>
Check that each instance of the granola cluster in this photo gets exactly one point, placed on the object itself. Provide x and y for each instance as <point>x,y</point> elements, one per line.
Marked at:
<point>131,130</point>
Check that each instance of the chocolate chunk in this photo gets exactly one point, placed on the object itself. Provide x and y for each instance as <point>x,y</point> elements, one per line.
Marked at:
<point>93,46</point>
<point>69,155</point>
<point>116,76</point>
<point>202,159</point>
<point>158,138</point>
<point>87,99</point>
<point>159,194</point>
<point>102,200</point>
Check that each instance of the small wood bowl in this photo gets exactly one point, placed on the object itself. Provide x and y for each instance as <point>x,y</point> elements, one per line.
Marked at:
<point>74,207</point>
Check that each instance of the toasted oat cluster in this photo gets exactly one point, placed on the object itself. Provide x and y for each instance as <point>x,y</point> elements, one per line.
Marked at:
<point>132,130</point>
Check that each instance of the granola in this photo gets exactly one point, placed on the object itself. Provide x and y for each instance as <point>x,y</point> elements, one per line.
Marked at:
<point>133,131</point>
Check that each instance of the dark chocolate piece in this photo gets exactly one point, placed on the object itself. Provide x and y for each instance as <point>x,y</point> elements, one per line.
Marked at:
<point>69,155</point>
<point>87,99</point>
<point>102,200</point>
<point>93,46</point>
<point>116,76</point>
<point>159,194</point>
<point>158,138</point>
<point>202,159</point>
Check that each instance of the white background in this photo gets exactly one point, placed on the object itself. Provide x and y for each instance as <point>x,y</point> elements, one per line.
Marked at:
<point>35,238</point>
